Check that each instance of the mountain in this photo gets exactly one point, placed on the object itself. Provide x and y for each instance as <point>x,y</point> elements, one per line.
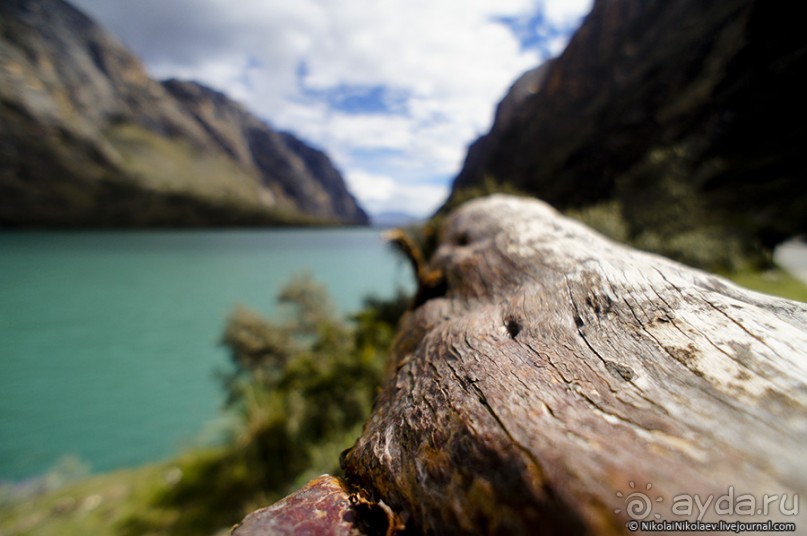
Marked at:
<point>88,139</point>
<point>395,219</point>
<point>285,164</point>
<point>685,119</point>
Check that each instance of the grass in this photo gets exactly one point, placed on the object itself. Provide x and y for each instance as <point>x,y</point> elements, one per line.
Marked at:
<point>166,165</point>
<point>202,491</point>
<point>94,505</point>
<point>184,184</point>
<point>775,282</point>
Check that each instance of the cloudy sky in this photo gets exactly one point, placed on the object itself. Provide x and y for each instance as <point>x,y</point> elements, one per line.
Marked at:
<point>393,90</point>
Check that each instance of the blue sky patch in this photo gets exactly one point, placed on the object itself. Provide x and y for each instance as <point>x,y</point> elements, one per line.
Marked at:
<point>356,99</point>
<point>535,32</point>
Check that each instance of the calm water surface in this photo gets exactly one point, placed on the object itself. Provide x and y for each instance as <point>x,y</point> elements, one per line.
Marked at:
<point>109,340</point>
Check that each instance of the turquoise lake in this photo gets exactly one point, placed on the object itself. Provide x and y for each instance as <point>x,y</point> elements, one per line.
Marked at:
<point>109,340</point>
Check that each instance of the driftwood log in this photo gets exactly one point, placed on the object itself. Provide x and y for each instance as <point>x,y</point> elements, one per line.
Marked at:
<point>565,384</point>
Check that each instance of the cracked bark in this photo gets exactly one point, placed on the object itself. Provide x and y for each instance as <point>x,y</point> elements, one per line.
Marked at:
<point>559,368</point>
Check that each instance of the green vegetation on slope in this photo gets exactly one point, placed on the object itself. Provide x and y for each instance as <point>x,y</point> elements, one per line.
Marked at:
<point>165,166</point>
<point>656,210</point>
<point>172,165</point>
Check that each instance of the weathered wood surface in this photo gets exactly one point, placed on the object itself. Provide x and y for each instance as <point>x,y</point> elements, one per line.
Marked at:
<point>559,368</point>
<point>323,507</point>
<point>320,507</point>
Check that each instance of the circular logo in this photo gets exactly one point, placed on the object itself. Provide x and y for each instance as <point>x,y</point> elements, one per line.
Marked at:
<point>638,504</point>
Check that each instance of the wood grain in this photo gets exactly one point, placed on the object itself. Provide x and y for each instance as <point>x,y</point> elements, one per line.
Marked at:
<point>560,369</point>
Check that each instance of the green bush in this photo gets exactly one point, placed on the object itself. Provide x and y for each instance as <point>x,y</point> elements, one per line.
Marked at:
<point>605,218</point>
<point>302,387</point>
<point>665,211</point>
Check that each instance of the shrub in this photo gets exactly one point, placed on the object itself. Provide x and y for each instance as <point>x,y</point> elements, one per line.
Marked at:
<point>302,387</point>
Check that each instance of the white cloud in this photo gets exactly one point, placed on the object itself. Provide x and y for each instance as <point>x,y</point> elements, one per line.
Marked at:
<point>384,194</point>
<point>557,44</point>
<point>449,58</point>
<point>566,12</point>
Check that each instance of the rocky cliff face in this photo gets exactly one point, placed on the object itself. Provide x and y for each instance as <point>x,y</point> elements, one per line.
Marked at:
<point>88,139</point>
<point>287,166</point>
<point>688,111</point>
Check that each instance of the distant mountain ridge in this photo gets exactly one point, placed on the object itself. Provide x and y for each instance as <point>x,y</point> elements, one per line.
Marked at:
<point>88,139</point>
<point>684,117</point>
<point>395,219</point>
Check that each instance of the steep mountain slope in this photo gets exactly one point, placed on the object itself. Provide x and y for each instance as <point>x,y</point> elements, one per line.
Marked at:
<point>686,116</point>
<point>285,164</point>
<point>88,139</point>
